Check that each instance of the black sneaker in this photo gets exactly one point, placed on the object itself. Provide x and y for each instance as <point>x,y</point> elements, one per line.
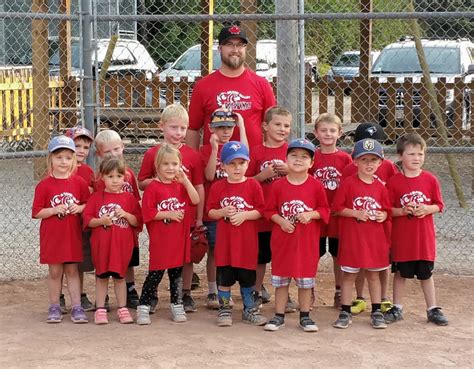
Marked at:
<point>308,325</point>
<point>257,299</point>
<point>86,304</point>
<point>393,315</point>
<point>436,316</point>
<point>275,323</point>
<point>378,322</point>
<point>265,295</point>
<point>62,304</point>
<point>189,304</point>
<point>132,299</point>
<point>195,282</point>
<point>343,320</point>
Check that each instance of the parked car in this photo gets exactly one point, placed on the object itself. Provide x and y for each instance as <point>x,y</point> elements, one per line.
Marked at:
<point>446,59</point>
<point>347,65</point>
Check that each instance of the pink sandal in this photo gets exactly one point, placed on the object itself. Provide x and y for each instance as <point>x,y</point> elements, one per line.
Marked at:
<point>124,316</point>
<point>100,317</point>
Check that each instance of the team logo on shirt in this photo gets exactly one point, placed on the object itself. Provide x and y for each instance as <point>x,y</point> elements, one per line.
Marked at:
<point>270,162</point>
<point>329,177</point>
<point>64,198</point>
<point>237,202</point>
<point>368,204</point>
<point>290,209</point>
<point>415,197</point>
<point>233,100</point>
<point>127,187</point>
<point>171,204</point>
<point>110,210</point>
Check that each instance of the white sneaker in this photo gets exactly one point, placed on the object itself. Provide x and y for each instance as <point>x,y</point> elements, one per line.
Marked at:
<point>143,315</point>
<point>178,314</point>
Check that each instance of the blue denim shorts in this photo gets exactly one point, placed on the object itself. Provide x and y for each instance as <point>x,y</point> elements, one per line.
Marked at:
<point>211,232</point>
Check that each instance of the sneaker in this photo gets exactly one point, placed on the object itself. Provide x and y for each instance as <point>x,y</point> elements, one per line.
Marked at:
<point>153,304</point>
<point>291,306</point>
<point>100,317</point>
<point>62,304</point>
<point>189,304</point>
<point>257,299</point>
<point>224,317</point>
<point>124,316</point>
<point>378,321</point>
<point>265,295</point>
<point>343,320</point>
<point>385,306</point>
<point>275,323</point>
<point>337,300</point>
<point>132,299</point>
<point>86,304</point>
<point>308,324</point>
<point>54,314</point>
<point>195,282</point>
<point>212,301</point>
<point>78,316</point>
<point>143,315</point>
<point>178,315</point>
<point>393,315</point>
<point>253,316</point>
<point>358,306</point>
<point>436,316</point>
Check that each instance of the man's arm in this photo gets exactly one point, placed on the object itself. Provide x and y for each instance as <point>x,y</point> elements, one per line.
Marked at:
<point>193,138</point>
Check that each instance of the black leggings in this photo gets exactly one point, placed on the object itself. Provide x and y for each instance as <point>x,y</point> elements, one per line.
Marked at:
<point>154,278</point>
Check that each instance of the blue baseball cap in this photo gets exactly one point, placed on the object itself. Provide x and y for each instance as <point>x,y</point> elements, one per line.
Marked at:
<point>367,146</point>
<point>61,142</point>
<point>234,150</point>
<point>302,143</point>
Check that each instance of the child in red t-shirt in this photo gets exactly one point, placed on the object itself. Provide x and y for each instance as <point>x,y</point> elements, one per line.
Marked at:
<point>415,195</point>
<point>363,206</point>
<point>268,163</point>
<point>222,127</point>
<point>166,203</point>
<point>115,218</point>
<point>236,202</point>
<point>329,163</point>
<point>174,125</point>
<point>296,205</point>
<point>59,200</point>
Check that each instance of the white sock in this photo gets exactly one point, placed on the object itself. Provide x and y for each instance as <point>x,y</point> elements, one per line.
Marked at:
<point>212,287</point>
<point>432,307</point>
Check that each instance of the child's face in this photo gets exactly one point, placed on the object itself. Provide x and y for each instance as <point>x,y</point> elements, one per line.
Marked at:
<point>82,149</point>
<point>299,161</point>
<point>62,162</point>
<point>113,181</point>
<point>412,157</point>
<point>327,133</point>
<point>113,149</point>
<point>367,164</point>
<point>174,130</point>
<point>278,129</point>
<point>169,167</point>
<point>236,169</point>
<point>223,133</point>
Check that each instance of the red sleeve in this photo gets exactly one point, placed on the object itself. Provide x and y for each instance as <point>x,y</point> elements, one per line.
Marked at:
<point>386,204</point>
<point>133,182</point>
<point>339,201</point>
<point>197,171</point>
<point>85,193</point>
<point>252,169</point>
<point>39,201</point>
<point>322,206</point>
<point>196,111</point>
<point>258,198</point>
<point>90,210</point>
<point>437,197</point>
<point>147,170</point>
<point>271,205</point>
<point>137,211</point>
<point>213,200</point>
<point>149,209</point>
<point>392,195</point>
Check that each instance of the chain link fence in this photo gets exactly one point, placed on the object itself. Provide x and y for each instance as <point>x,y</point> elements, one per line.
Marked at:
<point>117,64</point>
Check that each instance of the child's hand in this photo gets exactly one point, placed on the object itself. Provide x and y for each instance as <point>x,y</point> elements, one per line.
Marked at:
<point>228,211</point>
<point>180,176</point>
<point>281,168</point>
<point>106,220</point>
<point>75,208</point>
<point>177,216</point>
<point>420,211</point>
<point>286,226</point>
<point>120,213</point>
<point>380,216</point>
<point>304,218</point>
<point>214,141</point>
<point>269,171</point>
<point>240,120</point>
<point>361,215</point>
<point>238,218</point>
<point>409,209</point>
<point>61,210</point>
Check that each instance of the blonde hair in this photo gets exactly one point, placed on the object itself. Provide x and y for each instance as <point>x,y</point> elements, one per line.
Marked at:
<point>110,164</point>
<point>49,161</point>
<point>276,110</point>
<point>166,149</point>
<point>328,118</point>
<point>106,136</point>
<point>174,111</point>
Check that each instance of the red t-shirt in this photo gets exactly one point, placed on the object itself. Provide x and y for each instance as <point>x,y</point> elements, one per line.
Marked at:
<point>236,246</point>
<point>169,241</point>
<point>383,172</point>
<point>327,168</point>
<point>414,238</point>
<point>261,157</point>
<point>364,244</point>
<point>112,247</point>
<point>84,171</point>
<point>130,184</point>
<point>60,238</point>
<point>248,94</point>
<point>296,254</point>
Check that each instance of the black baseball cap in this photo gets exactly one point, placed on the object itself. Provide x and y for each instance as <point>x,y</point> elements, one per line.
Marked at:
<point>231,32</point>
<point>369,130</point>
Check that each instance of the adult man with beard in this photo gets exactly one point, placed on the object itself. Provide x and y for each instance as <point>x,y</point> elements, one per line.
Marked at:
<point>233,87</point>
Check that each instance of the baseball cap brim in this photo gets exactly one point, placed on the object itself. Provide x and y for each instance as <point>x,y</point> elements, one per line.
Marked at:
<point>228,123</point>
<point>236,156</point>
<point>358,155</point>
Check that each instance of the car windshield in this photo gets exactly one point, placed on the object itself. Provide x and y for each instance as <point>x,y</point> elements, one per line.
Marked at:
<point>191,60</point>
<point>347,60</point>
<point>54,55</point>
<point>405,60</point>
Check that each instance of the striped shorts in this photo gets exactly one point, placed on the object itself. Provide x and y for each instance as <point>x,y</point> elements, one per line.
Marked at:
<point>278,281</point>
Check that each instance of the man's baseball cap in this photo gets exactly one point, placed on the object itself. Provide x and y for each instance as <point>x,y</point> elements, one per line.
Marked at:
<point>222,118</point>
<point>367,146</point>
<point>61,142</point>
<point>234,150</point>
<point>302,143</point>
<point>369,130</point>
<point>231,32</point>
<point>78,132</point>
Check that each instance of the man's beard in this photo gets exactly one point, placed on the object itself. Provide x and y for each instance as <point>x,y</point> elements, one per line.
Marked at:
<point>232,62</point>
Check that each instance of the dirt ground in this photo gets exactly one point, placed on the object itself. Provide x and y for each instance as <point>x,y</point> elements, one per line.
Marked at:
<point>27,341</point>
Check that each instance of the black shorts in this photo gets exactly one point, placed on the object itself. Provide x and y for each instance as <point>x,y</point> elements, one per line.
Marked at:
<point>422,269</point>
<point>86,265</point>
<point>228,275</point>
<point>109,274</point>
<point>264,250</point>
<point>135,260</point>
<point>333,246</point>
